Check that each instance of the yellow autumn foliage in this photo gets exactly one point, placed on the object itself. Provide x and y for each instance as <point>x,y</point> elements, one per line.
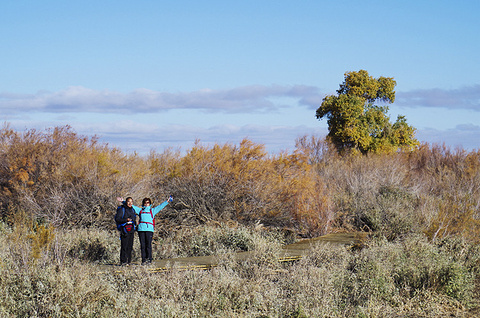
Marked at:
<point>65,180</point>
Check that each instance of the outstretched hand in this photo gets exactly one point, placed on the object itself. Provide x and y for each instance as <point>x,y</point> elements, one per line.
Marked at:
<point>119,199</point>
<point>170,199</point>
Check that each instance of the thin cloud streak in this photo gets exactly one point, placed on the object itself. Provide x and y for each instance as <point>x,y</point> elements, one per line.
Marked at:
<point>236,100</point>
<point>70,105</point>
<point>462,98</point>
<point>254,98</point>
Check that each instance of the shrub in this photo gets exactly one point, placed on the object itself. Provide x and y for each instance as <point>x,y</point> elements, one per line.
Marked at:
<point>208,240</point>
<point>245,184</point>
<point>413,277</point>
<point>94,246</point>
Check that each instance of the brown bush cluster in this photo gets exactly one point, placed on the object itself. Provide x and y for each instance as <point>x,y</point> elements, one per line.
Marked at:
<point>66,180</point>
<point>245,184</point>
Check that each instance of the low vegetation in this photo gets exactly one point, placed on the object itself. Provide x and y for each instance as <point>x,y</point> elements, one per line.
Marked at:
<point>57,200</point>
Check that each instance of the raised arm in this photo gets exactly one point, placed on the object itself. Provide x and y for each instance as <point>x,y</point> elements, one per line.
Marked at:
<point>136,209</point>
<point>160,207</point>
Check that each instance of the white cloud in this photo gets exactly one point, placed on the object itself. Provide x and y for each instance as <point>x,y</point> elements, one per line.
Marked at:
<point>236,100</point>
<point>81,99</point>
<point>143,119</point>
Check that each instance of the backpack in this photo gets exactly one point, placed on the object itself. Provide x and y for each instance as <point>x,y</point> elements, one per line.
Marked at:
<point>127,227</point>
<point>150,212</point>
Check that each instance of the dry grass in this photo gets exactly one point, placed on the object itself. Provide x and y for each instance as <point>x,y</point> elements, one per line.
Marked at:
<point>412,277</point>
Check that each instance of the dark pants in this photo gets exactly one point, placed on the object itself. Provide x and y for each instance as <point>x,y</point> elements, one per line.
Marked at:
<point>146,245</point>
<point>126,247</point>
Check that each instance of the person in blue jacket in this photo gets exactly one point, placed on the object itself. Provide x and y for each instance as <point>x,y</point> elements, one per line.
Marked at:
<point>146,226</point>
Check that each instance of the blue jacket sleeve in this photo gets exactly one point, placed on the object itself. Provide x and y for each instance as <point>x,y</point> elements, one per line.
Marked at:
<point>136,209</point>
<point>159,208</point>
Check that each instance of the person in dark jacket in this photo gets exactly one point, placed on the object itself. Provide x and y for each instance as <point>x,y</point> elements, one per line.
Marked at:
<point>126,222</point>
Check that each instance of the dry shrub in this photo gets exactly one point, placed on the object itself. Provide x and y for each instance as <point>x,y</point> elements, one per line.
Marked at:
<point>67,180</point>
<point>52,175</point>
<point>432,190</point>
<point>63,178</point>
<point>207,240</point>
<point>385,279</point>
<point>55,292</point>
<point>449,182</point>
<point>70,181</point>
<point>244,183</point>
<point>372,193</point>
<point>98,246</point>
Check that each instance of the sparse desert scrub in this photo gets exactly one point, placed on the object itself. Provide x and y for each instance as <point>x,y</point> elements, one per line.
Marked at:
<point>409,277</point>
<point>214,240</point>
<point>449,185</point>
<point>57,200</point>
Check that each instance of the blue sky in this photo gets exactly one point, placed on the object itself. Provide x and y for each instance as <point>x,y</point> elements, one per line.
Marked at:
<point>149,75</point>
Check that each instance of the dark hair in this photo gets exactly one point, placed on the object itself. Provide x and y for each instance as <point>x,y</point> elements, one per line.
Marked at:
<point>145,200</point>
<point>128,198</point>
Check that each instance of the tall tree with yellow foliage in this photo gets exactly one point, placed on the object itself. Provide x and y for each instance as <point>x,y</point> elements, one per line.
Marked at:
<point>356,123</point>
